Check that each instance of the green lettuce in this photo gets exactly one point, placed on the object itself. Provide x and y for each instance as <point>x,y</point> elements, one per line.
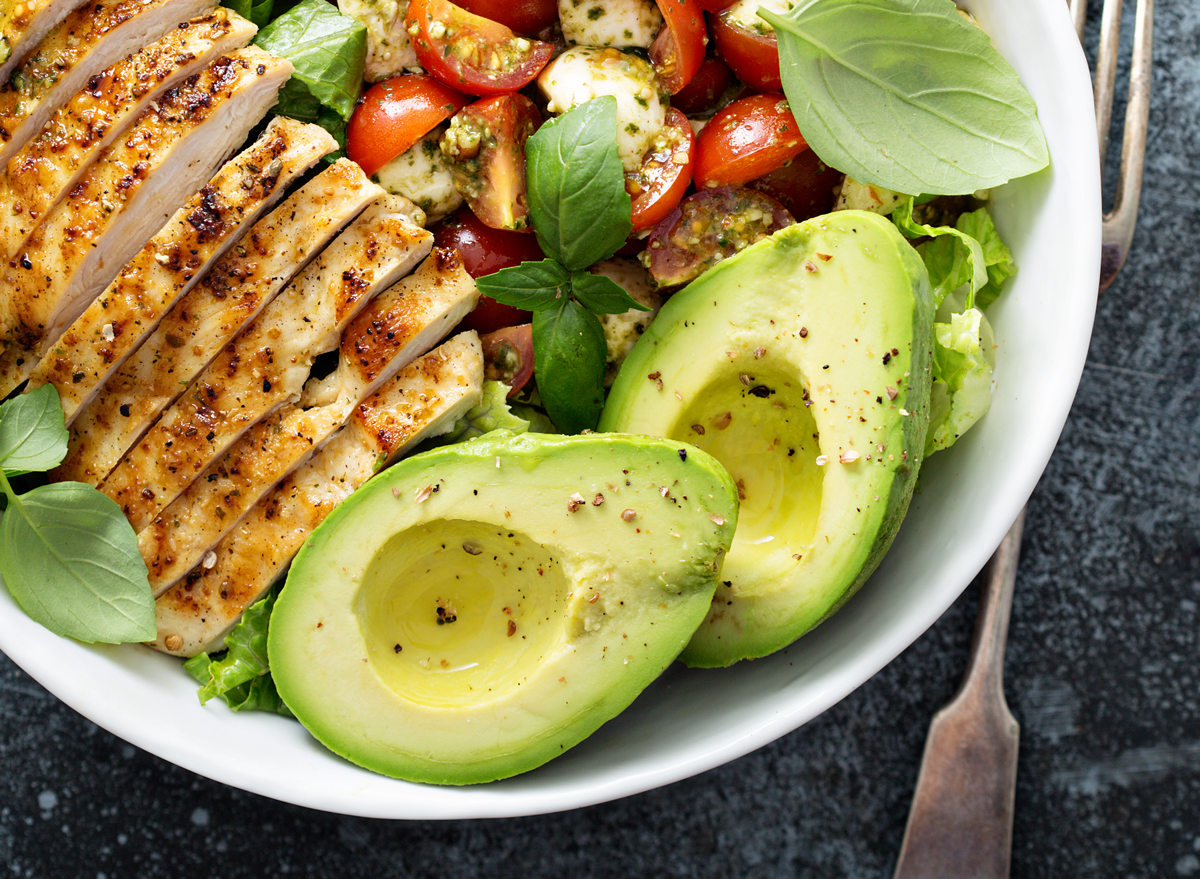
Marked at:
<point>242,677</point>
<point>329,52</point>
<point>490,413</point>
<point>967,264</point>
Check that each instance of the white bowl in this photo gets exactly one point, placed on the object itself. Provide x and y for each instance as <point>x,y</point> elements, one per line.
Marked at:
<point>690,721</point>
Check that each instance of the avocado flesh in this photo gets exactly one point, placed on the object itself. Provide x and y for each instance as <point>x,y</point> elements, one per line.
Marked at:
<point>803,365</point>
<point>462,618</point>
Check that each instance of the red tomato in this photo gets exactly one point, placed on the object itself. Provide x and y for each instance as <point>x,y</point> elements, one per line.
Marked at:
<point>485,250</point>
<point>706,88</point>
<point>508,356</point>
<point>678,50</point>
<point>666,172</point>
<point>485,146</point>
<point>754,57</point>
<point>522,16</point>
<point>715,5</point>
<point>745,140</point>
<point>804,186</point>
<point>708,227</point>
<point>395,114</point>
<point>473,54</point>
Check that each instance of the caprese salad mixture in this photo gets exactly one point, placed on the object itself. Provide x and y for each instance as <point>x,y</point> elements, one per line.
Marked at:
<point>733,118</point>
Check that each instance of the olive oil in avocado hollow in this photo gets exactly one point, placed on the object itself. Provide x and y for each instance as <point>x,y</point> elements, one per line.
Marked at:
<point>803,365</point>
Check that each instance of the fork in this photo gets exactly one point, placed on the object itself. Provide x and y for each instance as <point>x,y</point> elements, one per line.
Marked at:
<point>960,822</point>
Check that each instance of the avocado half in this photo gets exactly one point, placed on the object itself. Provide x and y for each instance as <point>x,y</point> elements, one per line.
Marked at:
<point>803,365</point>
<point>476,610</point>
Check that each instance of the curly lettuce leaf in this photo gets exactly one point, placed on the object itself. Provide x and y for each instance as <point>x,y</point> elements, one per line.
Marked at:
<point>490,413</point>
<point>242,677</point>
<point>962,379</point>
<point>950,258</point>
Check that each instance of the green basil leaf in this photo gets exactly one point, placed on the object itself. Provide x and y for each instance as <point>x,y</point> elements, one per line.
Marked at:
<point>577,199</point>
<point>33,436</point>
<point>531,286</point>
<point>328,49</point>
<point>907,95</point>
<point>602,295</point>
<point>71,561</point>
<point>568,360</point>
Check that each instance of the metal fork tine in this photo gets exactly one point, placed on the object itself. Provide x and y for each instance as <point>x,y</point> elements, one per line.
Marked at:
<point>1078,15</point>
<point>1119,222</point>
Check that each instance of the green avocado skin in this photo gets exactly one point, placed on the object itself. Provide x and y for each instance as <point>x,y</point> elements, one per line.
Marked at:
<point>477,610</point>
<point>803,364</point>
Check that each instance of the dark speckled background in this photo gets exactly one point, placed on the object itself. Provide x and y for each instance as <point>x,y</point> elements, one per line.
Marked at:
<point>1101,672</point>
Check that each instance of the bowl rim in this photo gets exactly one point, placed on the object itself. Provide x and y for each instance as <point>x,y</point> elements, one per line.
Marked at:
<point>139,695</point>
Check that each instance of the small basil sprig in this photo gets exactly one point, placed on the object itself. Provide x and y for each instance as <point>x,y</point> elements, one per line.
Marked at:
<point>580,213</point>
<point>907,95</point>
<point>67,553</point>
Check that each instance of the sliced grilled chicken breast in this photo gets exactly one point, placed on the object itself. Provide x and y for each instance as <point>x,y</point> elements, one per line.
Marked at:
<point>399,325</point>
<point>424,399</point>
<point>23,23</point>
<point>88,40</point>
<point>267,364</point>
<point>171,263</point>
<point>42,171</point>
<point>228,297</point>
<point>132,190</point>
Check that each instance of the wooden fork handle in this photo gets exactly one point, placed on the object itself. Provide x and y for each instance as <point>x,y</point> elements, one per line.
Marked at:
<point>960,825</point>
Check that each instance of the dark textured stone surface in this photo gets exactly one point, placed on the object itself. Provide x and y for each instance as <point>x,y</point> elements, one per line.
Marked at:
<point>1102,671</point>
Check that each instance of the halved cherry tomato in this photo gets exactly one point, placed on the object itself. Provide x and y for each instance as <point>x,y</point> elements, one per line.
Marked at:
<point>485,250</point>
<point>708,227</point>
<point>485,145</point>
<point>804,186</point>
<point>678,50</point>
<point>753,56</point>
<point>508,356</point>
<point>715,5</point>
<point>472,53</point>
<point>666,171</point>
<point>706,88</point>
<point>745,140</point>
<point>395,114</point>
<point>522,16</point>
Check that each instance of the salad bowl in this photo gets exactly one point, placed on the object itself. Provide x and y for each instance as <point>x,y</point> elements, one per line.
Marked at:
<point>692,720</point>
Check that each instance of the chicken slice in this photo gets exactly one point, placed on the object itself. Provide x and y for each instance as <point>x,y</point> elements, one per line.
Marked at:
<point>53,161</point>
<point>172,262</point>
<point>84,43</point>
<point>399,325</point>
<point>23,23</point>
<point>129,194</point>
<point>267,364</point>
<point>425,399</point>
<point>228,297</point>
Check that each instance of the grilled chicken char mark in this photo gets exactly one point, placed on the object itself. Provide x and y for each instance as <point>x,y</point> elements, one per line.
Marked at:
<point>229,296</point>
<point>129,194</point>
<point>268,363</point>
<point>23,23</point>
<point>424,399</point>
<point>171,263</point>
<point>88,40</point>
<point>399,325</point>
<point>53,161</point>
